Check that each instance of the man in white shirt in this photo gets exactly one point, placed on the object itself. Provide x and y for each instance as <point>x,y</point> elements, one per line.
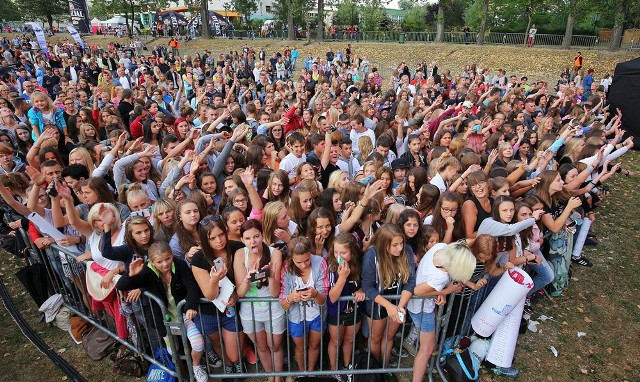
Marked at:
<point>358,130</point>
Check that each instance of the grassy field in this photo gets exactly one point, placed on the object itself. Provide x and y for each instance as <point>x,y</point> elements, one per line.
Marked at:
<point>600,301</point>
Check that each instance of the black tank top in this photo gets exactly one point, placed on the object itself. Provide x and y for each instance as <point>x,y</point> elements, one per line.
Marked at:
<point>482,214</point>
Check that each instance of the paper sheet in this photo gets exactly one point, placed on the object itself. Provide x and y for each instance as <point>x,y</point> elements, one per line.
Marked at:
<point>45,227</point>
<point>226,289</point>
<point>504,339</point>
<point>510,290</point>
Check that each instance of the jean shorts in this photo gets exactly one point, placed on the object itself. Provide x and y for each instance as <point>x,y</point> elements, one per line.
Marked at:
<point>208,324</point>
<point>425,321</point>
<point>302,328</point>
<point>275,325</point>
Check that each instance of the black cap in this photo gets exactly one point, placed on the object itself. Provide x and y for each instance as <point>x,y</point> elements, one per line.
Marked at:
<point>399,163</point>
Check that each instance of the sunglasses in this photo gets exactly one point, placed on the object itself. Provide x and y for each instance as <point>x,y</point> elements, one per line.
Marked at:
<point>209,219</point>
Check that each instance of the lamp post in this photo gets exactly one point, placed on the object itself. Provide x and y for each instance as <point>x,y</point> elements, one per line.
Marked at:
<point>596,18</point>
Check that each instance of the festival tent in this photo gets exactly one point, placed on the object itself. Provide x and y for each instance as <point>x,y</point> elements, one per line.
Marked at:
<point>624,94</point>
<point>172,18</point>
<point>217,22</point>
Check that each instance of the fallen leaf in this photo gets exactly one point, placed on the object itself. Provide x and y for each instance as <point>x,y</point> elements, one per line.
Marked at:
<point>584,371</point>
<point>609,350</point>
<point>554,351</point>
<point>62,350</point>
<point>580,310</point>
<point>587,320</point>
<point>6,354</point>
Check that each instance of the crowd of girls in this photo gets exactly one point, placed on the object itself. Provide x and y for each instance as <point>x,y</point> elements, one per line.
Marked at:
<point>333,207</point>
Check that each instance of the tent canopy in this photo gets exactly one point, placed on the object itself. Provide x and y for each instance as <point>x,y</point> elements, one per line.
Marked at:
<point>217,22</point>
<point>625,95</point>
<point>172,18</point>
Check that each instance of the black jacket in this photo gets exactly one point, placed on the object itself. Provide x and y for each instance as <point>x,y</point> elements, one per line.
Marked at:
<point>183,284</point>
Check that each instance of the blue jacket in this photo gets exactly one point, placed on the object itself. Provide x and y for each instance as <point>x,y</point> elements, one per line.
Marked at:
<point>37,120</point>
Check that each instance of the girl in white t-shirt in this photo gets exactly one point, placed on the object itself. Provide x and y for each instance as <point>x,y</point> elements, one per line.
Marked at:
<point>442,271</point>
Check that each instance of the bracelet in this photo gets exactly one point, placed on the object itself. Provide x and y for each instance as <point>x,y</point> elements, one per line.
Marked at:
<point>286,298</point>
<point>593,185</point>
<point>590,170</point>
<point>362,205</point>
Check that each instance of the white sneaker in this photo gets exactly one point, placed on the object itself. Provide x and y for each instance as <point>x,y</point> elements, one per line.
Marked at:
<point>200,373</point>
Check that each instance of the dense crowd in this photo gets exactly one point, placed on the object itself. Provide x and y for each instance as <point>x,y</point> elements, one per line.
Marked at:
<point>178,174</point>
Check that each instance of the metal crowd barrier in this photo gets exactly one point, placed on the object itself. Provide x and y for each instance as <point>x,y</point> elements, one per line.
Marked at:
<point>145,316</point>
<point>67,277</point>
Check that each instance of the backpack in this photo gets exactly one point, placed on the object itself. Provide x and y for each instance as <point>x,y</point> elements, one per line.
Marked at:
<point>128,363</point>
<point>157,374</point>
<point>558,249</point>
<point>360,362</point>
<point>449,346</point>
<point>462,366</point>
<point>97,344</point>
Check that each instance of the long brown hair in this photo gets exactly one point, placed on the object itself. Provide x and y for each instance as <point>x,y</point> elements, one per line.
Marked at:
<point>390,267</point>
<point>349,241</point>
<point>207,250</point>
<point>440,224</point>
<point>297,246</point>
<point>488,245</point>
<point>128,235</point>
<point>542,189</point>
<point>316,214</point>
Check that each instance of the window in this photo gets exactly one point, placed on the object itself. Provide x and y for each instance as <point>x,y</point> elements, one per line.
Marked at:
<point>267,8</point>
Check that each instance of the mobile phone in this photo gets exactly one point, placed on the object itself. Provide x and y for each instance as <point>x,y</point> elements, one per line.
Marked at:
<point>340,260</point>
<point>302,290</point>
<point>401,316</point>
<point>218,263</point>
<point>261,275</point>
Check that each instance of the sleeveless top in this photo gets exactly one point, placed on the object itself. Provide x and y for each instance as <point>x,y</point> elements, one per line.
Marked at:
<point>482,214</point>
<point>260,309</point>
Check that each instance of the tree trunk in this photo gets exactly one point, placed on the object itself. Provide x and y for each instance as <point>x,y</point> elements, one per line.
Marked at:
<point>50,22</point>
<point>618,28</point>
<point>440,23</point>
<point>526,31</point>
<point>206,29</point>
<point>568,34</point>
<point>320,32</point>
<point>133,19</point>
<point>290,34</point>
<point>483,23</point>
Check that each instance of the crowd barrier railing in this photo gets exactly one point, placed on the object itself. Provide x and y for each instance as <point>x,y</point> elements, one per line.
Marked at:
<point>150,315</point>
<point>146,318</point>
<point>490,38</point>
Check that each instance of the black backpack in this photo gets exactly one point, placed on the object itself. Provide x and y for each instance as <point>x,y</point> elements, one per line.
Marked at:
<point>360,362</point>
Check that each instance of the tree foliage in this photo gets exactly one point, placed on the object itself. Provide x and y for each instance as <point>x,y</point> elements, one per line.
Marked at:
<point>415,20</point>
<point>245,7</point>
<point>46,10</point>
<point>9,11</point>
<point>299,10</point>
<point>347,13</point>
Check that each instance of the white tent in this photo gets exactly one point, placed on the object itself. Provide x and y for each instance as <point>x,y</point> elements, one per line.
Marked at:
<point>115,21</point>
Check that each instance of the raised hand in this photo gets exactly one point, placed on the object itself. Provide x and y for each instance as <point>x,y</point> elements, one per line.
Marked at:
<point>35,175</point>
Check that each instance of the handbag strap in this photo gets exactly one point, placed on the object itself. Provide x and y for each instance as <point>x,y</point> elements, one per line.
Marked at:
<point>464,366</point>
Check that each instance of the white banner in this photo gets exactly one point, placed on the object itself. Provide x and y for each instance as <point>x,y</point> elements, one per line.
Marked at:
<point>504,339</point>
<point>40,37</point>
<point>76,36</point>
<point>510,290</point>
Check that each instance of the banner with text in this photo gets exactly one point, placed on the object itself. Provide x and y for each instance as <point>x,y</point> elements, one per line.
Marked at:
<point>80,15</point>
<point>42,41</point>
<point>76,36</point>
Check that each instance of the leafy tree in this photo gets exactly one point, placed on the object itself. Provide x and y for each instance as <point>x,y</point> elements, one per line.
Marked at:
<point>43,10</point>
<point>347,13</point>
<point>415,20</point>
<point>244,7</point>
<point>9,10</point>
<point>406,5</point>
<point>373,15</point>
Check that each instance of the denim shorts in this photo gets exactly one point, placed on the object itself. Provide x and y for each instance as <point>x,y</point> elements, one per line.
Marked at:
<point>208,324</point>
<point>302,328</point>
<point>425,321</point>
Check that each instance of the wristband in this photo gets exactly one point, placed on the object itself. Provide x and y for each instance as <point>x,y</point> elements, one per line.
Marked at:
<point>590,170</point>
<point>286,298</point>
